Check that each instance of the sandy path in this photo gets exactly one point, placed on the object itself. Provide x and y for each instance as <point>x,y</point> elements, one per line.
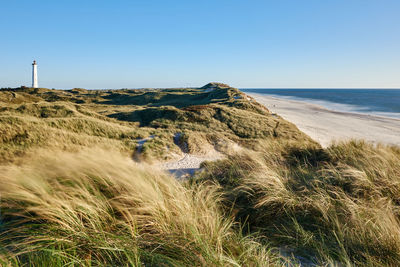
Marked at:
<point>188,164</point>
<point>325,125</point>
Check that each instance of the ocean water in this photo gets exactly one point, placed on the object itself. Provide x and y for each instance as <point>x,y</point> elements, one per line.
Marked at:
<point>382,102</point>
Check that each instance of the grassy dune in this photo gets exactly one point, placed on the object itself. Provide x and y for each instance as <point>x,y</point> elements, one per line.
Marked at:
<point>339,205</point>
<point>69,119</point>
<point>72,195</point>
<point>97,208</point>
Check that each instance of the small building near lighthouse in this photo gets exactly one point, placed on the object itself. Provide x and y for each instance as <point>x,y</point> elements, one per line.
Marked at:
<point>34,75</point>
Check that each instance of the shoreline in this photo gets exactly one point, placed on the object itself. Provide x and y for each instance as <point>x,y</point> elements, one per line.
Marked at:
<point>326,126</point>
<point>314,103</point>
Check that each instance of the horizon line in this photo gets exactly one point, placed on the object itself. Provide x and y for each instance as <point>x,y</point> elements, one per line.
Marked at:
<point>195,87</point>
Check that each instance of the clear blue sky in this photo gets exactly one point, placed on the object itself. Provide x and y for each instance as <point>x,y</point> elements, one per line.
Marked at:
<point>273,44</point>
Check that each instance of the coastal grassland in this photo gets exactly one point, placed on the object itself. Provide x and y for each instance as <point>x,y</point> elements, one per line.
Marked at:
<point>97,208</point>
<point>72,195</point>
<point>338,205</point>
<point>65,201</point>
<point>25,129</point>
<point>32,118</point>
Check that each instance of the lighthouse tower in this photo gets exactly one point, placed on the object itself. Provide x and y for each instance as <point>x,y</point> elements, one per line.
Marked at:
<point>34,75</point>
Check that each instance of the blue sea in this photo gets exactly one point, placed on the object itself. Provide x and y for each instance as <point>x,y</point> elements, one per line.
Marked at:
<point>382,102</point>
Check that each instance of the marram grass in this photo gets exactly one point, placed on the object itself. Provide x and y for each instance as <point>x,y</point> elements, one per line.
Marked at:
<point>96,208</point>
<point>71,195</point>
<point>334,206</point>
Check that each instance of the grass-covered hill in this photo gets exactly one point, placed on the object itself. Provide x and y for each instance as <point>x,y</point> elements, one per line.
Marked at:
<point>71,195</point>
<point>68,119</point>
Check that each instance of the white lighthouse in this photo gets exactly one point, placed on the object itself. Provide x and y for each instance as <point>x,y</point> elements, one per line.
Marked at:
<point>34,75</point>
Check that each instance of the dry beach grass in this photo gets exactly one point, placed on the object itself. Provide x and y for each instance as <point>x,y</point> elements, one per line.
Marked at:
<point>338,205</point>
<point>97,208</point>
<point>73,195</point>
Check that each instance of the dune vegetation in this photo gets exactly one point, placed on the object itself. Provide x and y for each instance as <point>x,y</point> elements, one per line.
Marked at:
<point>96,208</point>
<point>337,206</point>
<point>69,119</point>
<point>75,192</point>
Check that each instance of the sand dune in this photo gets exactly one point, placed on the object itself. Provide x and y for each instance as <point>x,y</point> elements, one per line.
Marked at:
<point>325,126</point>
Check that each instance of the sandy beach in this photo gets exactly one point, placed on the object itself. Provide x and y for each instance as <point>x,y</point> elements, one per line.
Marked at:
<point>326,126</point>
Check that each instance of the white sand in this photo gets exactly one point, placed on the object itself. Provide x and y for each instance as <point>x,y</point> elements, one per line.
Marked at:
<point>325,126</point>
<point>189,164</point>
<point>184,166</point>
